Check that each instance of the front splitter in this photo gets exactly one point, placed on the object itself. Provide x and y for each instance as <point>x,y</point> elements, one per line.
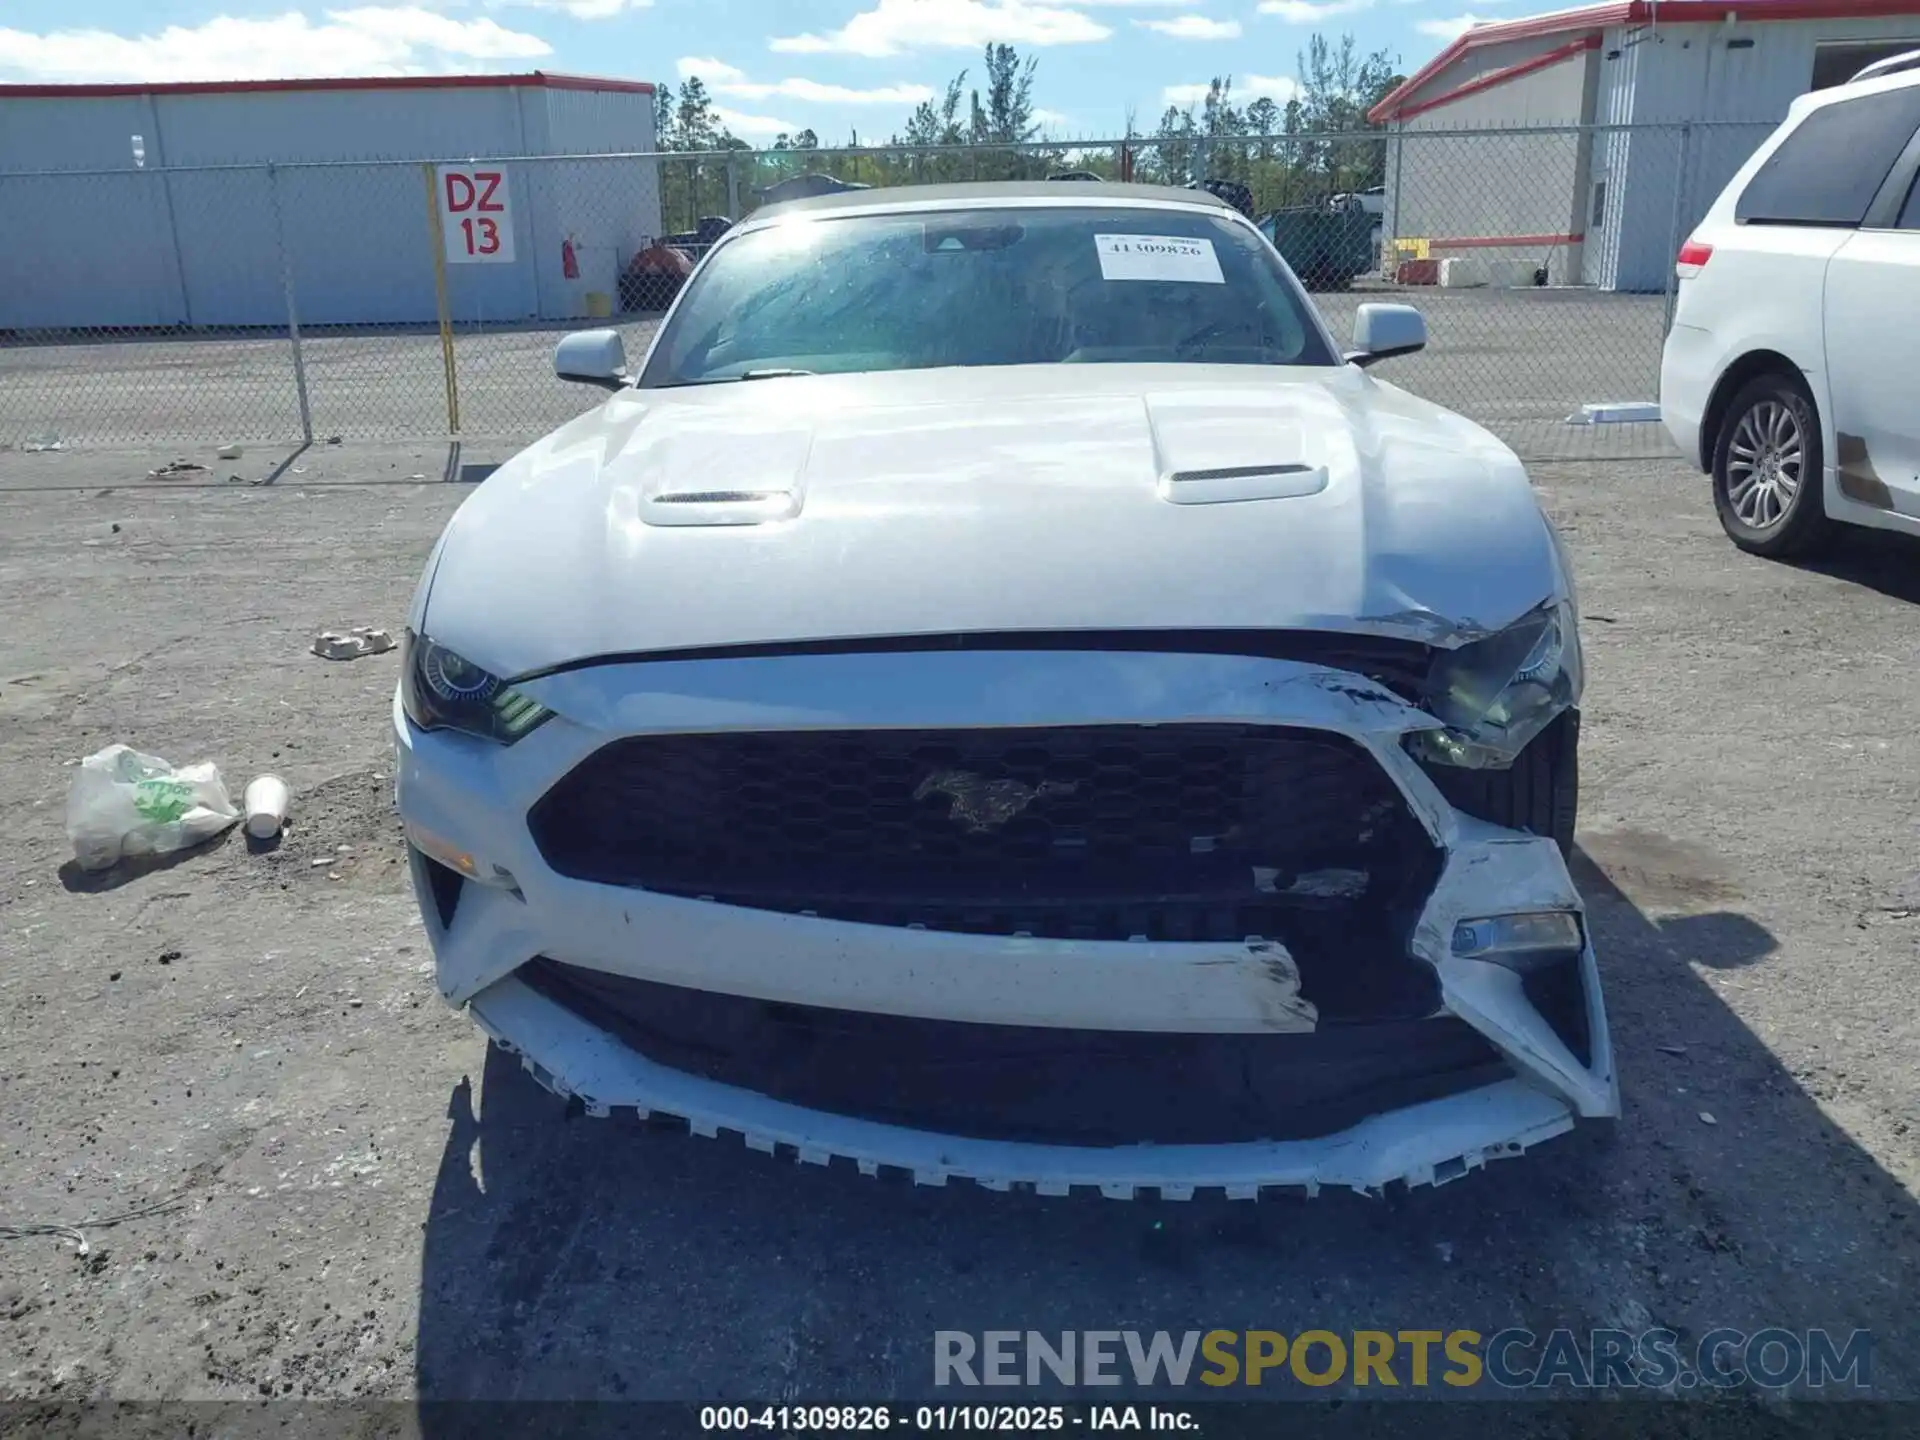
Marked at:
<point>1424,1144</point>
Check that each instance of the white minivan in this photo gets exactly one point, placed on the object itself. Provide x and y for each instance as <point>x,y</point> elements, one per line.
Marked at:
<point>1792,372</point>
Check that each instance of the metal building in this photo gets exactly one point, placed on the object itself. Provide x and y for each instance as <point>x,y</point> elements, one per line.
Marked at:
<point>1679,93</point>
<point>204,204</point>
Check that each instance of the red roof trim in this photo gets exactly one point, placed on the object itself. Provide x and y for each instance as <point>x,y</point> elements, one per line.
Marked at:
<point>1633,12</point>
<point>1501,77</point>
<point>538,79</point>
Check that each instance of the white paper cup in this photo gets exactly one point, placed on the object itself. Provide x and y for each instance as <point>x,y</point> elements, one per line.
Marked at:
<point>266,806</point>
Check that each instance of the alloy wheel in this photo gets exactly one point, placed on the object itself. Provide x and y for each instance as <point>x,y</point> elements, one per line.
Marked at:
<point>1765,461</point>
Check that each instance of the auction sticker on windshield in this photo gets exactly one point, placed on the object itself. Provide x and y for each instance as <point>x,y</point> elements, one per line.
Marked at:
<point>1158,257</point>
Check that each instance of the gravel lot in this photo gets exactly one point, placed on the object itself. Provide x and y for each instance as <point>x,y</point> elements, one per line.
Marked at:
<point>372,1205</point>
<point>1519,361</point>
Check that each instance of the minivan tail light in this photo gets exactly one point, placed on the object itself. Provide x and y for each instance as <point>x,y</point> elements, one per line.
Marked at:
<point>1692,259</point>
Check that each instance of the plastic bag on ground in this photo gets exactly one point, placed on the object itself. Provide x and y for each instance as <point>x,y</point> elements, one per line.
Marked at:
<point>124,803</point>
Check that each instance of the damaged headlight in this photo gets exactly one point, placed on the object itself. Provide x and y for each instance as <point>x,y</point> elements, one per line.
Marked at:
<point>1496,694</point>
<point>442,691</point>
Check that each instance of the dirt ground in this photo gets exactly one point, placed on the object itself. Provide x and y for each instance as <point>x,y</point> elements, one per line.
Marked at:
<point>369,1204</point>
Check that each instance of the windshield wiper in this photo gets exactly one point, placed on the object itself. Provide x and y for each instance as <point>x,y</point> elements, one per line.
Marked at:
<point>771,373</point>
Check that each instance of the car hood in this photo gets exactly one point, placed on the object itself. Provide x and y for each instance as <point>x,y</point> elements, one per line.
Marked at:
<point>1097,497</point>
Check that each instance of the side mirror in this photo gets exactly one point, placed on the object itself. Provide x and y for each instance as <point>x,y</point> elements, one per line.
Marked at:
<point>593,357</point>
<point>1383,331</point>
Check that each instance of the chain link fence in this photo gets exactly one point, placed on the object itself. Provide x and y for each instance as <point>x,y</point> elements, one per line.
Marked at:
<point>401,301</point>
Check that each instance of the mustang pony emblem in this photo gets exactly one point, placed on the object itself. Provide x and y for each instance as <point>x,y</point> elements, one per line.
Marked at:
<point>980,804</point>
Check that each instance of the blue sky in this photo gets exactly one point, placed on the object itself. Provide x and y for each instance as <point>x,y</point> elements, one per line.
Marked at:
<point>772,65</point>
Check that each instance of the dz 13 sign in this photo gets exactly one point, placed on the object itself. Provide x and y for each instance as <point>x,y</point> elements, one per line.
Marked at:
<point>476,216</point>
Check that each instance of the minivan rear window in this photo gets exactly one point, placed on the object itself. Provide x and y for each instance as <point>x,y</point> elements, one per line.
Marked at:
<point>1830,168</point>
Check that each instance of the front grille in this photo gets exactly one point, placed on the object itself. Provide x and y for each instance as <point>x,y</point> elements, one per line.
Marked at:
<point>1011,1082</point>
<point>1178,832</point>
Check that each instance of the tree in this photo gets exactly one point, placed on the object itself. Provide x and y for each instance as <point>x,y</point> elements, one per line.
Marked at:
<point>932,124</point>
<point>966,133</point>
<point>1263,119</point>
<point>691,188</point>
<point>1001,116</point>
<point>663,117</point>
<point>1337,88</point>
<point>695,125</point>
<point>1174,154</point>
<point>1318,144</point>
<point>1009,109</point>
<point>1217,113</point>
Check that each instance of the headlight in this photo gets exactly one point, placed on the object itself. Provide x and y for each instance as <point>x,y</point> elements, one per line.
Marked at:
<point>1530,941</point>
<point>1496,694</point>
<point>441,691</point>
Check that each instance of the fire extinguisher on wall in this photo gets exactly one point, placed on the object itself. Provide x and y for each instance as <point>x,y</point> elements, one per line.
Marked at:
<point>569,261</point>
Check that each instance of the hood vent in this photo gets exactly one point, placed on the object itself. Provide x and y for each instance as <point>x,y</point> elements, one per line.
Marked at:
<point>1243,482</point>
<point>715,497</point>
<point>719,507</point>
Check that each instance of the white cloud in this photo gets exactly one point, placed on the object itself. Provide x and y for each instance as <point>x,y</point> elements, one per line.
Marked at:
<point>1453,28</point>
<point>1246,89</point>
<point>1193,27</point>
<point>708,69</point>
<point>578,9</point>
<point>892,26</point>
<point>753,127</point>
<point>724,79</point>
<point>372,40</point>
<point>819,94</point>
<point>1051,119</point>
<point>1311,12</point>
<point>1129,4</point>
<point>826,95</point>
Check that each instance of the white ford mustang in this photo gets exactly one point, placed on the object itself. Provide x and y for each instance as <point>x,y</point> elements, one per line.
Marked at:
<point>999,695</point>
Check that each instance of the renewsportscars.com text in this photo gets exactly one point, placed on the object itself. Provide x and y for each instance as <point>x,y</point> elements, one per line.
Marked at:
<point>1511,1359</point>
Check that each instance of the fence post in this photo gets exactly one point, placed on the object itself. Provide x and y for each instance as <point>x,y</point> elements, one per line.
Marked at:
<point>1391,231</point>
<point>437,238</point>
<point>1674,236</point>
<point>733,189</point>
<point>293,308</point>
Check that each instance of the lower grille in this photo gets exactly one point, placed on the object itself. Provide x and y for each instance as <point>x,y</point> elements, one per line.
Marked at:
<point>1179,832</point>
<point>1007,1082</point>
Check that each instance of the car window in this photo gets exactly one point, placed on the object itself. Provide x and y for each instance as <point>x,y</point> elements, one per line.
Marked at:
<point>1830,168</point>
<point>986,286</point>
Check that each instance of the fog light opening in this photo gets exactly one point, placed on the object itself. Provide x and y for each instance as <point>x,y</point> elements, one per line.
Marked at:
<point>1528,941</point>
<point>443,885</point>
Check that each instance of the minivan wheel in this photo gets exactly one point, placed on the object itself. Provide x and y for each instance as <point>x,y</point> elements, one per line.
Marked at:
<point>1767,472</point>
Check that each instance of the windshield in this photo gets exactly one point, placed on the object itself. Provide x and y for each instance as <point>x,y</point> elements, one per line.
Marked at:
<point>1010,286</point>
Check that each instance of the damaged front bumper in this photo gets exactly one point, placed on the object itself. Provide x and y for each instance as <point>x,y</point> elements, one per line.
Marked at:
<point>471,799</point>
